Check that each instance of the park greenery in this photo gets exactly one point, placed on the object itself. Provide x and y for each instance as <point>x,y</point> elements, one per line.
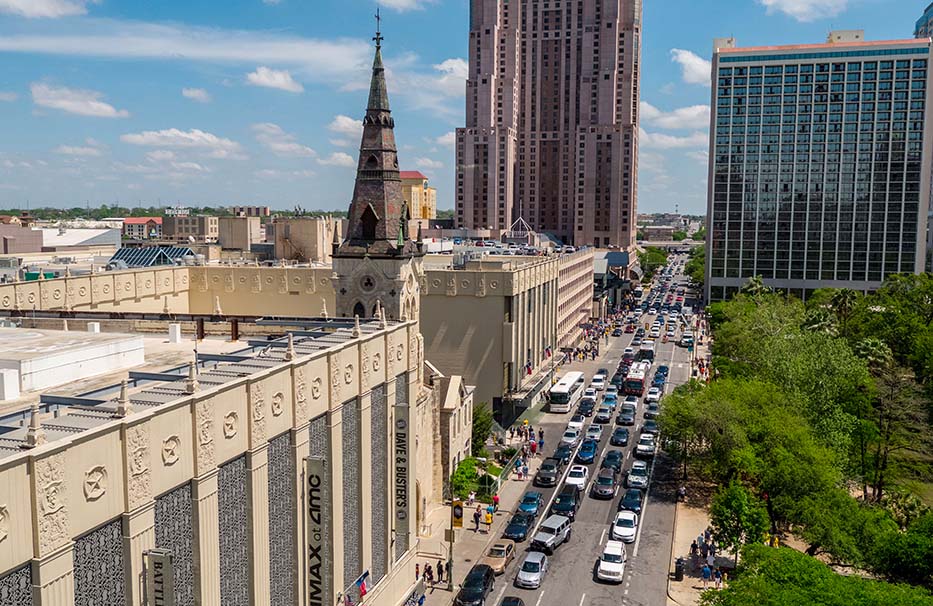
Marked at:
<point>817,425</point>
<point>651,259</point>
<point>679,235</point>
<point>695,267</point>
<point>699,235</point>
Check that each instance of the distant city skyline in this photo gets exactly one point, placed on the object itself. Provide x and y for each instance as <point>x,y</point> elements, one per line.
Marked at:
<point>119,101</point>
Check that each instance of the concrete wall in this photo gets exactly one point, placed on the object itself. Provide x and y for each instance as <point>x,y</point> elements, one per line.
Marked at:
<point>280,291</point>
<point>238,232</point>
<point>307,239</point>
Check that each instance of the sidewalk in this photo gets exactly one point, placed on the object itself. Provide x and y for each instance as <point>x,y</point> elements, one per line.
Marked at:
<point>470,546</point>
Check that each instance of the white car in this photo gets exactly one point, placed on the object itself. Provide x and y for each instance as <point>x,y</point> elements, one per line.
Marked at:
<point>578,476</point>
<point>625,526</point>
<point>646,446</point>
<point>594,432</point>
<point>611,567</point>
<point>576,422</point>
<point>654,395</point>
<point>590,393</point>
<point>655,333</point>
<point>598,383</point>
<point>612,390</point>
<point>637,475</point>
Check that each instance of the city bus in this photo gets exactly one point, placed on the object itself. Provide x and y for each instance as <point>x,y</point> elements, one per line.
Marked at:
<point>566,393</point>
<point>634,383</point>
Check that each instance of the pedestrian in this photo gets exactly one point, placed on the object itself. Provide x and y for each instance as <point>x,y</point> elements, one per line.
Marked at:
<point>417,571</point>
<point>717,577</point>
<point>710,560</point>
<point>495,502</point>
<point>704,549</point>
<point>518,469</point>
<point>541,442</point>
<point>707,535</point>
<point>525,470</point>
<point>476,520</point>
<point>471,498</point>
<point>707,573</point>
<point>511,433</point>
<point>534,448</point>
<point>694,548</point>
<point>450,579</point>
<point>488,521</point>
<point>440,571</point>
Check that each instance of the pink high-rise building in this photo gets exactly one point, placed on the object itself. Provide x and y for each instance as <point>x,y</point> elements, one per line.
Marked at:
<point>552,119</point>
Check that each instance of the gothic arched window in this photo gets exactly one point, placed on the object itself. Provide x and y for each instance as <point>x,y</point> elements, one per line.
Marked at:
<point>359,310</point>
<point>369,221</point>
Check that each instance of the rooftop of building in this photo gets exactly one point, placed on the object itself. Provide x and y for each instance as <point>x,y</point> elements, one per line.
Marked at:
<point>412,174</point>
<point>824,46</point>
<point>84,405</point>
<point>141,220</point>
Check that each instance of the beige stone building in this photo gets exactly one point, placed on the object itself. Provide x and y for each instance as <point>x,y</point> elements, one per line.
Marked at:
<point>239,232</point>
<point>185,228</point>
<point>421,198</point>
<point>575,295</point>
<point>494,322</point>
<point>257,472</point>
<point>308,239</point>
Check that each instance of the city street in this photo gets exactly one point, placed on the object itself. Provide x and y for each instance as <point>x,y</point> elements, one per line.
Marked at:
<point>571,578</point>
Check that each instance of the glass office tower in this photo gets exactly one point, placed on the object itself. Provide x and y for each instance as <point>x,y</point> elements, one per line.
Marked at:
<point>819,164</point>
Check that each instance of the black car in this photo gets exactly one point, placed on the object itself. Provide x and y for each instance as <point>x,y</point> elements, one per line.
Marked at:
<point>617,378</point>
<point>603,415</point>
<point>617,332</point>
<point>567,502</point>
<point>620,436</point>
<point>563,454</point>
<point>519,527</point>
<point>652,410</point>
<point>586,408</point>
<point>614,459</point>
<point>603,371</point>
<point>511,600</point>
<point>632,500</point>
<point>478,583</point>
<point>549,473</point>
<point>650,426</point>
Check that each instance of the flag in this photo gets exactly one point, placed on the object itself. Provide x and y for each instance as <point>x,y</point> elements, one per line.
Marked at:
<point>361,583</point>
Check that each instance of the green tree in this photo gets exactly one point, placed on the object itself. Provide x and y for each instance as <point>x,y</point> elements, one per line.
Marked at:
<point>737,518</point>
<point>843,303</point>
<point>755,287</point>
<point>820,319</point>
<point>785,577</point>
<point>908,556</point>
<point>482,427</point>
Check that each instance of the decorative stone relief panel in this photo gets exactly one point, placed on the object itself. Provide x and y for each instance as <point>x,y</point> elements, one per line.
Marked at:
<point>301,396</point>
<point>16,587</point>
<point>4,524</point>
<point>204,418</point>
<point>96,482</point>
<point>170,446</point>
<point>51,503</point>
<point>98,566</point>
<point>139,480</point>
<point>257,406</point>
<point>174,531</point>
<point>281,521</point>
<point>233,521</point>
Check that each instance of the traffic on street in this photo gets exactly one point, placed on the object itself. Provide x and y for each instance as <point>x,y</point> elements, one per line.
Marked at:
<point>595,525</point>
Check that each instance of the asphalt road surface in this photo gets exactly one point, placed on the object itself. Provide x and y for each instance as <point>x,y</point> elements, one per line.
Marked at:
<point>571,580</point>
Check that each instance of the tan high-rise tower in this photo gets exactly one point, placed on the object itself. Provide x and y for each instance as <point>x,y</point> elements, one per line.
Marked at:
<point>552,119</point>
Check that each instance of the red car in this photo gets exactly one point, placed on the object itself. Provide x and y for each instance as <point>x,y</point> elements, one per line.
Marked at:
<point>630,328</point>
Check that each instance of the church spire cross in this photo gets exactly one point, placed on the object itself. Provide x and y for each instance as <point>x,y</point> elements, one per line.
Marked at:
<point>378,37</point>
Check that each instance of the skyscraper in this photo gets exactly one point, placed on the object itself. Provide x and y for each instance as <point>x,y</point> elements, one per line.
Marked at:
<point>819,164</point>
<point>552,119</point>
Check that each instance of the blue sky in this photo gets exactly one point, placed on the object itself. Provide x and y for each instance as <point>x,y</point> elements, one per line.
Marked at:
<point>259,101</point>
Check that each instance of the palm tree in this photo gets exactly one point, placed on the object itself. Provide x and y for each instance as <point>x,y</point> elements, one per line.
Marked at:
<point>755,287</point>
<point>875,352</point>
<point>843,303</point>
<point>822,320</point>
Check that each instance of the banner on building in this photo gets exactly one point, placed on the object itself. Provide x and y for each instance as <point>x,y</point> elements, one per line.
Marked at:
<point>318,525</point>
<point>401,489</point>
<point>160,577</point>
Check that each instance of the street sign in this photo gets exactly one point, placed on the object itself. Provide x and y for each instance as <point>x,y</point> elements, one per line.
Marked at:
<point>456,513</point>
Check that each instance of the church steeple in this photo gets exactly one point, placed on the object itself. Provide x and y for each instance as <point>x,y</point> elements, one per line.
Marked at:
<point>377,221</point>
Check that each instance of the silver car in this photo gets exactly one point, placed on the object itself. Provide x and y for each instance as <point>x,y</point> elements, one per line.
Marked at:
<point>530,574</point>
<point>571,437</point>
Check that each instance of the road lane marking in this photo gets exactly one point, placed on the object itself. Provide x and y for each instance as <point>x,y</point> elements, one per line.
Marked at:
<point>582,597</point>
<point>602,536</point>
<point>502,591</point>
<point>540,596</point>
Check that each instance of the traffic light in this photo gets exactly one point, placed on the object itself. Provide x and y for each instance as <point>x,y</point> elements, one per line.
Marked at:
<point>456,514</point>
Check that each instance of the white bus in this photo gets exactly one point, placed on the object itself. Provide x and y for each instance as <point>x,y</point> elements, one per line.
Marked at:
<point>566,393</point>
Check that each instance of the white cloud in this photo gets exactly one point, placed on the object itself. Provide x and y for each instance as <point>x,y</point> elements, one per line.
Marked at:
<point>428,163</point>
<point>8,97</point>
<point>338,159</point>
<point>447,139</point>
<point>692,117</point>
<point>69,150</point>
<point>281,143</point>
<point>694,68</point>
<point>196,94</point>
<point>805,10</point>
<point>453,75</point>
<point>662,141</point>
<point>194,139</point>
<point>74,101</point>
<point>345,125</point>
<point>405,5</point>
<point>45,9</point>
<point>286,175</point>
<point>274,78</point>
<point>701,156</point>
<point>334,60</point>
<point>341,142</point>
<point>160,155</point>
